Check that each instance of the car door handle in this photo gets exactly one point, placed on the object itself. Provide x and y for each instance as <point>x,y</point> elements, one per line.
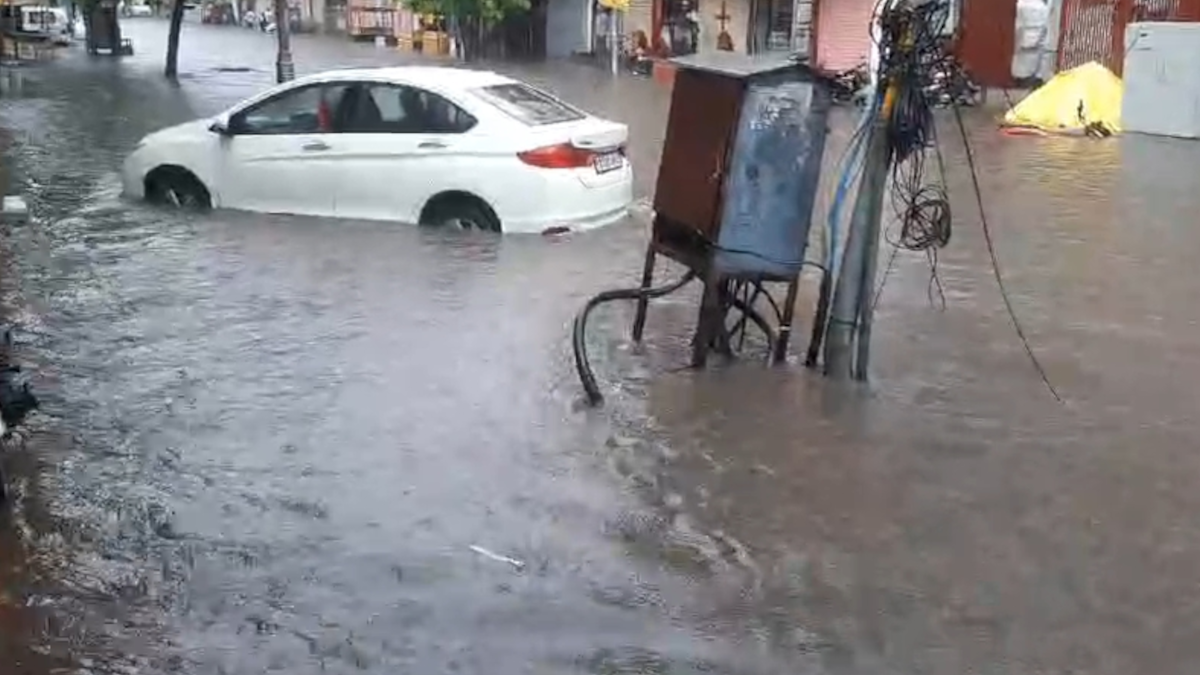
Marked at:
<point>431,145</point>
<point>315,146</point>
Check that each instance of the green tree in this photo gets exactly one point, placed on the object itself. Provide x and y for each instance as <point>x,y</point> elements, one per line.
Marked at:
<point>469,20</point>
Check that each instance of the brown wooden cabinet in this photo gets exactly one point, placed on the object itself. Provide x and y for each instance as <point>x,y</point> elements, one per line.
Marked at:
<point>700,127</point>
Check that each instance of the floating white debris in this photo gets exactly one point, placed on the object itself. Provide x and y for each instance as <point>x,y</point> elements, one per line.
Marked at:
<point>14,208</point>
<point>497,557</point>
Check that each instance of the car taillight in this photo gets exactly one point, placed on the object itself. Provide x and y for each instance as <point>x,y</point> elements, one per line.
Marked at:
<point>561,156</point>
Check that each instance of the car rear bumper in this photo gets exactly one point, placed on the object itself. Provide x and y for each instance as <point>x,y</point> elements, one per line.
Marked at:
<point>564,204</point>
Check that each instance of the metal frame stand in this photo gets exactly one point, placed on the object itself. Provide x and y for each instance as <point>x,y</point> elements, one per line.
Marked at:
<point>724,296</point>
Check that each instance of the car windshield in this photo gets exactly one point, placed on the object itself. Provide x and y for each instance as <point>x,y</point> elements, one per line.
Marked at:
<point>529,105</point>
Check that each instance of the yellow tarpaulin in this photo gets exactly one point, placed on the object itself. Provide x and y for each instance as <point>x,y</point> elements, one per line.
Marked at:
<point>619,5</point>
<point>1082,99</point>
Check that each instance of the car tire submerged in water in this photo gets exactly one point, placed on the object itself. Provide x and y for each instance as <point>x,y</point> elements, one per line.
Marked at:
<point>177,188</point>
<point>460,212</point>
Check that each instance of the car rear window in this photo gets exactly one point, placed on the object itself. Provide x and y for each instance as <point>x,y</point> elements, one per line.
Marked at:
<point>529,105</point>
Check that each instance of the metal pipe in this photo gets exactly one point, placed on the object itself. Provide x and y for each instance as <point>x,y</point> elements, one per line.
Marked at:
<point>820,320</point>
<point>866,303</point>
<point>848,293</point>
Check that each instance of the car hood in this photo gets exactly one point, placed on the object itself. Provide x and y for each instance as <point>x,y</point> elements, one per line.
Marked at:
<point>180,132</point>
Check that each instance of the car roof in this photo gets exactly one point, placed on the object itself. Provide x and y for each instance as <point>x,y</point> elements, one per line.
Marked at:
<point>427,77</point>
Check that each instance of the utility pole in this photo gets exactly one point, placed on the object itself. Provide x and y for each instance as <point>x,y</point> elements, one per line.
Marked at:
<point>285,69</point>
<point>614,41</point>
<point>850,320</point>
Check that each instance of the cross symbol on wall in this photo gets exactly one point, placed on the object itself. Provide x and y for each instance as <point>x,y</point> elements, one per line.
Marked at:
<point>723,15</point>
<point>724,41</point>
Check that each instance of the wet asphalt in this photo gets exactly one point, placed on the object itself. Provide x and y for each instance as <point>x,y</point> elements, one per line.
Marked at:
<point>287,445</point>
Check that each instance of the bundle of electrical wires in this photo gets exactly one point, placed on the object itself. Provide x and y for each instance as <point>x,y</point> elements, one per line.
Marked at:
<point>910,44</point>
<point>912,48</point>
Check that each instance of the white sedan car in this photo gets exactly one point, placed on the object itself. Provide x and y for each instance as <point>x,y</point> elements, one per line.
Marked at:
<point>428,145</point>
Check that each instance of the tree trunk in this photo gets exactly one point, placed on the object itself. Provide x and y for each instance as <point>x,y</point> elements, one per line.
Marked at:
<point>172,69</point>
<point>467,38</point>
<point>454,27</point>
<point>473,39</point>
<point>285,69</point>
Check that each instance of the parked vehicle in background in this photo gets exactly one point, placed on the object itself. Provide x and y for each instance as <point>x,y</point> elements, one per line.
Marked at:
<point>61,32</point>
<point>428,145</point>
<point>135,9</point>
<point>51,23</point>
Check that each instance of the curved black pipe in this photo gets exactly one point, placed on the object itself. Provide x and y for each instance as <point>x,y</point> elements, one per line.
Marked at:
<point>582,365</point>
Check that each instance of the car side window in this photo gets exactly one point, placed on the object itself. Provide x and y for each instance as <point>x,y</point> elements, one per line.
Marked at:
<point>308,110</point>
<point>397,109</point>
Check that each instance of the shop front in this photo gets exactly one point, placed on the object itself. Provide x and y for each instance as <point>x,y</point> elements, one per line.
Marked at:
<point>681,27</point>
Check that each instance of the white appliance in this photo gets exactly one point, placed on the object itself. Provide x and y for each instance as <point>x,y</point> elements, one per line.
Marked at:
<point>1162,79</point>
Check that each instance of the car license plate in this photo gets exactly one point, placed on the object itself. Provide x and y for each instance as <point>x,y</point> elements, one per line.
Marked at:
<point>608,161</point>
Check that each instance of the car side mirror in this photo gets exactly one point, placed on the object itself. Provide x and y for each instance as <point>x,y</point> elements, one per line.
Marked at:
<point>220,126</point>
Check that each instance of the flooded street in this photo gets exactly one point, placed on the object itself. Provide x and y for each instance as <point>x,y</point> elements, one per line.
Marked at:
<point>283,445</point>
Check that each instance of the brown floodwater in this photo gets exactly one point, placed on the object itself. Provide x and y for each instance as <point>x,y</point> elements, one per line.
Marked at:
<point>274,444</point>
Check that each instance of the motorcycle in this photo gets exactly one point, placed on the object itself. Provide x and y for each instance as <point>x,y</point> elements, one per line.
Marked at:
<point>949,85</point>
<point>847,86</point>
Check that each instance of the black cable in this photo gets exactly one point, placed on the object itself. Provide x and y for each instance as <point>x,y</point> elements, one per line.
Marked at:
<point>987,237</point>
<point>911,51</point>
<point>582,364</point>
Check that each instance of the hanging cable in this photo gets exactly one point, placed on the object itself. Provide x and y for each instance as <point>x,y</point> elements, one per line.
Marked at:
<point>912,47</point>
<point>991,248</point>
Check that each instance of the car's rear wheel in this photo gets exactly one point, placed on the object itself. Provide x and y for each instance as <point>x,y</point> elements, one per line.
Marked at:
<point>460,212</point>
<point>177,188</point>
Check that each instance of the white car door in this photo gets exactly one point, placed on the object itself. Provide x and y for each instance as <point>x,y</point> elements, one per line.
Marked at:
<point>280,154</point>
<point>403,145</point>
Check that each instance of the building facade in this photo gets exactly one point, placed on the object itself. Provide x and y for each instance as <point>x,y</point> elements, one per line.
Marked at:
<point>843,33</point>
<point>835,33</point>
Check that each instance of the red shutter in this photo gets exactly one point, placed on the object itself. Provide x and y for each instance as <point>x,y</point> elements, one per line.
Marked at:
<point>987,40</point>
<point>843,33</point>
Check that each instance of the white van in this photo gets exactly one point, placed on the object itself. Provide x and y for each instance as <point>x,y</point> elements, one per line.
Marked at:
<point>51,21</point>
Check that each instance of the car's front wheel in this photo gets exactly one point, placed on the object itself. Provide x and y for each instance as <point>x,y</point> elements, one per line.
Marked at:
<point>177,188</point>
<point>460,212</point>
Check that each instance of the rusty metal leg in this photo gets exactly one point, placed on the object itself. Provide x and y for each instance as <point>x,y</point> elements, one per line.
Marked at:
<point>708,322</point>
<point>643,303</point>
<point>785,322</point>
